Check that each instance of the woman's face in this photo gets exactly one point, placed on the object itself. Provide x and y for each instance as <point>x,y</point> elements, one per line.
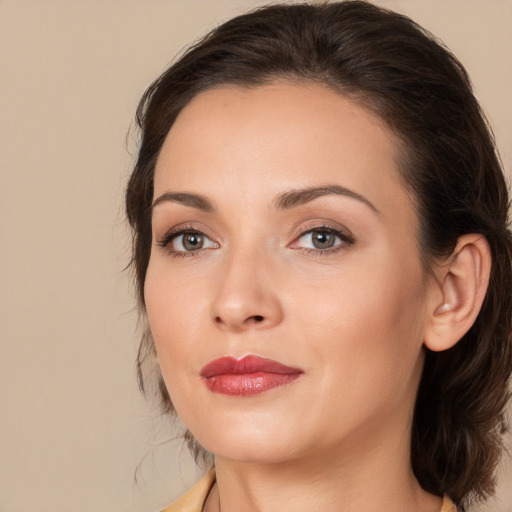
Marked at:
<point>281,230</point>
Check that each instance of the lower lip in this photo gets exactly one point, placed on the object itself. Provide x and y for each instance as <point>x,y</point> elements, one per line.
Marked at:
<point>248,384</point>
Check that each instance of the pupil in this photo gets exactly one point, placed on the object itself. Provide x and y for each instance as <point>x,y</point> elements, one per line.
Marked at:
<point>323,239</point>
<point>192,242</point>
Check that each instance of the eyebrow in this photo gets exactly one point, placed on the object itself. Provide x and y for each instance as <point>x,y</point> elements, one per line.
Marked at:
<point>185,198</point>
<point>294,198</point>
<point>284,201</point>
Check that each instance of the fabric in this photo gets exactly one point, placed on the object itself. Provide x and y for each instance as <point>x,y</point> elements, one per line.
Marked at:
<point>193,500</point>
<point>448,505</point>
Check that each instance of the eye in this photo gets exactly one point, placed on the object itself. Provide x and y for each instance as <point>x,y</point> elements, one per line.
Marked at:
<point>322,239</point>
<point>184,241</point>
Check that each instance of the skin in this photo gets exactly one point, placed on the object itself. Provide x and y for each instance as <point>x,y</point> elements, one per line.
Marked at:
<point>353,319</point>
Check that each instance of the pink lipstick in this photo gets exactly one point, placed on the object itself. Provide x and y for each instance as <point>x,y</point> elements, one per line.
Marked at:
<point>248,376</point>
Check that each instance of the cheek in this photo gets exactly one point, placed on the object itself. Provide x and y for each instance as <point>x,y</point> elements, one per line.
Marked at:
<point>370,324</point>
<point>173,308</point>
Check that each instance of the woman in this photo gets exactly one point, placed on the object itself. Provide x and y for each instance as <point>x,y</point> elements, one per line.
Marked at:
<point>322,254</point>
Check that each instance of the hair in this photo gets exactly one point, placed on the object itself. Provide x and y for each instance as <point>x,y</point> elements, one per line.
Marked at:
<point>388,64</point>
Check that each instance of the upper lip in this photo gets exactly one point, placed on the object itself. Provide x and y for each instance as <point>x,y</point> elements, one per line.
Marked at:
<point>246,365</point>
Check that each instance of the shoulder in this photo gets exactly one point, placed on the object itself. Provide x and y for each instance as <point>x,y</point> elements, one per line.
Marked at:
<point>193,500</point>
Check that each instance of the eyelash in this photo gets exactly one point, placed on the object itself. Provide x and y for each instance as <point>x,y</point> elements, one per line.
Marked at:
<point>346,240</point>
<point>172,234</point>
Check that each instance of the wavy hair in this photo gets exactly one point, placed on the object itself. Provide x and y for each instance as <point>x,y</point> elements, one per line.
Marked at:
<point>390,65</point>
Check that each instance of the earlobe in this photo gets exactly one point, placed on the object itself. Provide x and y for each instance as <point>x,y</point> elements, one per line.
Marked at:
<point>463,282</point>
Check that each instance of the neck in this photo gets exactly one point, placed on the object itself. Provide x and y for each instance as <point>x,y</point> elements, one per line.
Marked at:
<point>376,476</point>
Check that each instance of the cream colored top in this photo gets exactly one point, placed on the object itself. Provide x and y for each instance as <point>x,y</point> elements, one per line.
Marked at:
<point>193,500</point>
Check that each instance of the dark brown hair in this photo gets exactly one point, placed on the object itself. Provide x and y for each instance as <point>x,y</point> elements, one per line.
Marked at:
<point>388,64</point>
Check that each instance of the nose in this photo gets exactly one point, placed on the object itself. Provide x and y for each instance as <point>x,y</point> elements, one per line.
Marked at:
<point>247,295</point>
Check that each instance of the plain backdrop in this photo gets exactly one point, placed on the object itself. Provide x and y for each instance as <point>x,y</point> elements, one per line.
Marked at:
<point>74,431</point>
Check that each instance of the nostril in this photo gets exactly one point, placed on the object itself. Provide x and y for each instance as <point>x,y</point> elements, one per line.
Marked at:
<point>250,319</point>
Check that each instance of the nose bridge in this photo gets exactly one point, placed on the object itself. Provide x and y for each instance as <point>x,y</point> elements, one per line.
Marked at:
<point>246,296</point>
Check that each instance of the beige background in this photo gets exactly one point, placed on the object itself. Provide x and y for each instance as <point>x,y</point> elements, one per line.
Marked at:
<point>73,429</point>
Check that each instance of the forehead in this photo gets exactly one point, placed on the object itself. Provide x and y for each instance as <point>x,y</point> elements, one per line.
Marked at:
<point>262,140</point>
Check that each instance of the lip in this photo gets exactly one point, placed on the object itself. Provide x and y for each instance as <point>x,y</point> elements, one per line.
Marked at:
<point>251,375</point>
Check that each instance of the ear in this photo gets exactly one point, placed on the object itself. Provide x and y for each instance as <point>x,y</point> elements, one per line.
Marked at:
<point>461,286</point>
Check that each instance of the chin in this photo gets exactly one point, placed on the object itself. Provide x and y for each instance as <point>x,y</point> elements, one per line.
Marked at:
<point>251,445</point>
<point>249,453</point>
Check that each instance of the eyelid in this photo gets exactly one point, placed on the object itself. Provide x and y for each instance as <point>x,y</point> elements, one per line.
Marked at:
<point>167,238</point>
<point>320,224</point>
<point>344,234</point>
